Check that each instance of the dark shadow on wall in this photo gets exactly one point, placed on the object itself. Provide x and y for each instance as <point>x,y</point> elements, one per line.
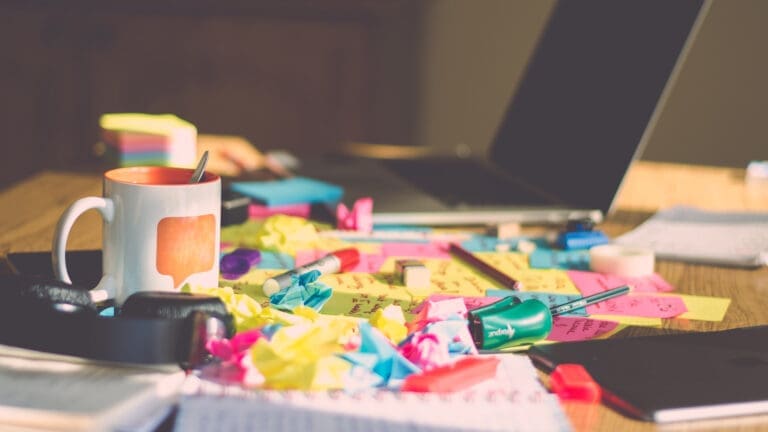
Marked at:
<point>295,74</point>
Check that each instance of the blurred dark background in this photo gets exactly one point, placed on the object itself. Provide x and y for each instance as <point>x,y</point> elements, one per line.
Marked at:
<point>308,76</point>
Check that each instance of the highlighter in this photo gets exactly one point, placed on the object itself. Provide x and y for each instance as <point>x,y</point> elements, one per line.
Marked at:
<point>337,261</point>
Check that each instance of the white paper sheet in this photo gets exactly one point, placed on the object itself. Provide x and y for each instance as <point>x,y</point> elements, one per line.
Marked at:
<point>706,237</point>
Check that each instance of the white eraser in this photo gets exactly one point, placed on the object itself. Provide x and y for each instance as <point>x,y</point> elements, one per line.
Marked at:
<point>270,287</point>
<point>505,230</point>
<point>412,273</point>
<point>526,246</point>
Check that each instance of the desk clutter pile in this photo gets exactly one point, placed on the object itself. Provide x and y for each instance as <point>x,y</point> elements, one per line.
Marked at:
<point>374,327</point>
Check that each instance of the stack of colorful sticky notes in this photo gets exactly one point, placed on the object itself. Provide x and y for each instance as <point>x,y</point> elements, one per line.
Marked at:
<point>132,139</point>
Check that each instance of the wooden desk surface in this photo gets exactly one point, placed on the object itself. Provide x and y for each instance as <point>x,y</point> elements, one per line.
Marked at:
<point>32,207</point>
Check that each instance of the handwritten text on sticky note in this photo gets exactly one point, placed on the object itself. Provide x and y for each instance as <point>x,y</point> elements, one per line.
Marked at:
<point>570,329</point>
<point>642,305</point>
<point>591,283</point>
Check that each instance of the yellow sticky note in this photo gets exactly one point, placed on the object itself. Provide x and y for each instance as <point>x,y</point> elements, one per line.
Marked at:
<point>704,308</point>
<point>546,280</point>
<point>630,320</point>
<point>447,277</point>
<point>361,294</point>
<point>155,124</point>
<point>615,330</point>
<point>508,262</point>
<point>251,282</point>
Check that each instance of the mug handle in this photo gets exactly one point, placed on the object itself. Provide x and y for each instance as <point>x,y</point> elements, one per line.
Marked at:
<point>106,207</point>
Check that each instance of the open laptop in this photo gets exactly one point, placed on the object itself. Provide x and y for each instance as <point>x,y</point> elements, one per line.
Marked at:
<point>581,114</point>
<point>681,377</point>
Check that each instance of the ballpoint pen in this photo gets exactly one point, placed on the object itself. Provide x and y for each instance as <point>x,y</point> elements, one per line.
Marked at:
<point>485,268</point>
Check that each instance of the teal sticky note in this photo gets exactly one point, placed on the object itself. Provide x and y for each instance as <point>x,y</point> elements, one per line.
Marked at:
<point>484,243</point>
<point>577,259</point>
<point>275,260</point>
<point>293,190</point>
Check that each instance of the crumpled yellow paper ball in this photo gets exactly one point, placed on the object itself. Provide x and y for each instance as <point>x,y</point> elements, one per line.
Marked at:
<point>391,322</point>
<point>304,356</point>
<point>287,234</point>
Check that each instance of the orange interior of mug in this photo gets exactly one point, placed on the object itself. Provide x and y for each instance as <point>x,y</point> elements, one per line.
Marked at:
<point>156,175</point>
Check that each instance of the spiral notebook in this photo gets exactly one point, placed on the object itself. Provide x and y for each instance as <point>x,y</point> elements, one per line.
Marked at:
<point>516,401</point>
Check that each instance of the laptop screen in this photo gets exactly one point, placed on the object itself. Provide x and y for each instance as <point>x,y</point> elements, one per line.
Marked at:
<point>591,87</point>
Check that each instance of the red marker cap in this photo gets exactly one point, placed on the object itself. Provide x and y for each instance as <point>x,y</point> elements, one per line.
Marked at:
<point>460,375</point>
<point>349,258</point>
<point>571,381</point>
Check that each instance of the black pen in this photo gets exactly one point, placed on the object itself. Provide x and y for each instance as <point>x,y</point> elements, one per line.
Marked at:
<point>483,267</point>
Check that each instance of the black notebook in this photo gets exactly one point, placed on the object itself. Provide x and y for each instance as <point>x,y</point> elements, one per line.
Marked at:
<point>84,265</point>
<point>681,377</point>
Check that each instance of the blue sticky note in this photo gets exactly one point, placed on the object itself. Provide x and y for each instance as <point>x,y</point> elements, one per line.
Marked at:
<point>410,228</point>
<point>549,299</point>
<point>484,243</point>
<point>293,190</point>
<point>559,259</point>
<point>275,260</point>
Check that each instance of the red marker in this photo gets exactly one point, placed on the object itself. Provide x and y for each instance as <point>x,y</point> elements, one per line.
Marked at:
<point>339,261</point>
<point>462,374</point>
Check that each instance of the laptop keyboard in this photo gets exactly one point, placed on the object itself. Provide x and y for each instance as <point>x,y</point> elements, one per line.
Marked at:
<point>458,182</point>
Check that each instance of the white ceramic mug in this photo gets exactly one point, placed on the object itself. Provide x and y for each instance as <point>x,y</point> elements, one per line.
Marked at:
<point>160,231</point>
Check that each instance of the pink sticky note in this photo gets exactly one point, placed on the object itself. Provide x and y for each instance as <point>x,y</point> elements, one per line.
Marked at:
<point>470,302</point>
<point>571,329</point>
<point>591,283</point>
<point>369,263</point>
<point>304,257</point>
<point>415,250</point>
<point>643,305</point>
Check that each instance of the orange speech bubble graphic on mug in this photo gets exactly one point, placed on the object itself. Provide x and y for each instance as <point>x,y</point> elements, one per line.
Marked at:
<point>185,246</point>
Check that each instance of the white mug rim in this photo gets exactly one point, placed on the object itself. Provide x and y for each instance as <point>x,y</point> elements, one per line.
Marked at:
<point>114,176</point>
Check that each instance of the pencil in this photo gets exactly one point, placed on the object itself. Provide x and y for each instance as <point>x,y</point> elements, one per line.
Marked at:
<point>484,267</point>
<point>586,301</point>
